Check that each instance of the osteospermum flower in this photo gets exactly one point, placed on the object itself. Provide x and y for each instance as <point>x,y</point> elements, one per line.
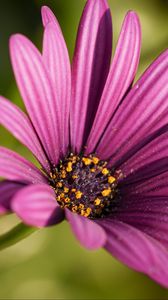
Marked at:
<point>102,145</point>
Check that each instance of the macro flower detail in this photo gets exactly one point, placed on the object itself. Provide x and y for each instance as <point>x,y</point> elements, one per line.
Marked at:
<point>100,140</point>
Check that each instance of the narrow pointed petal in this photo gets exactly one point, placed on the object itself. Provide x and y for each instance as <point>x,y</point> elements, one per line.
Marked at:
<point>7,191</point>
<point>37,92</point>
<point>90,68</point>
<point>89,234</point>
<point>121,75</point>
<point>15,167</point>
<point>137,250</point>
<point>56,59</point>
<point>47,16</point>
<point>36,206</point>
<point>139,115</point>
<point>16,121</point>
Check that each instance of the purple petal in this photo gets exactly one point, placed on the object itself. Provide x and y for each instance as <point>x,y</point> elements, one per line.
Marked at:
<point>149,159</point>
<point>139,115</point>
<point>56,59</point>
<point>90,234</point>
<point>13,119</point>
<point>37,92</point>
<point>147,213</point>
<point>137,250</point>
<point>15,167</point>
<point>47,16</point>
<point>121,75</point>
<point>90,68</point>
<point>36,205</point>
<point>7,190</point>
<point>152,186</point>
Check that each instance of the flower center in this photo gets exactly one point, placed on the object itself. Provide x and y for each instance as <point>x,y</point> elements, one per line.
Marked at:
<point>84,185</point>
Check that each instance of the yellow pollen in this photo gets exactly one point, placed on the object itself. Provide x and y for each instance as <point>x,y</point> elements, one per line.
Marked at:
<point>95,160</point>
<point>74,208</point>
<point>81,206</point>
<point>111,179</point>
<point>105,171</point>
<point>67,200</point>
<point>74,159</point>
<point>92,170</point>
<point>62,195</point>
<point>63,174</point>
<point>78,194</point>
<point>66,190</point>
<point>86,161</point>
<point>82,212</point>
<point>58,198</point>
<point>73,190</point>
<point>69,167</point>
<point>97,201</point>
<point>87,212</point>
<point>75,176</point>
<point>59,184</point>
<point>106,192</point>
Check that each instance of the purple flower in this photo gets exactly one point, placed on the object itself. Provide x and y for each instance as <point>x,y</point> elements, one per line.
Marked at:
<point>102,143</point>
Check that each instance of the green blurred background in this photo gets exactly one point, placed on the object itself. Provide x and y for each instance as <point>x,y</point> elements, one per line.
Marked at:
<point>51,264</point>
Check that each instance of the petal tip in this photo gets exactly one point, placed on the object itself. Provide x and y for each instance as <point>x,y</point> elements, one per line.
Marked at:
<point>47,15</point>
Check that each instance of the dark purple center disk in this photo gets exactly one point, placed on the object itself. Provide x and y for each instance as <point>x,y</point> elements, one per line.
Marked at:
<point>84,185</point>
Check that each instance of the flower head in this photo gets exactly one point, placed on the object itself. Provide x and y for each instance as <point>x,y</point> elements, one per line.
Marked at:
<point>102,144</point>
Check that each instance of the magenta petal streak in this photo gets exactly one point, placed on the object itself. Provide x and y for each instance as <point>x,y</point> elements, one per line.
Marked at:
<point>121,75</point>
<point>36,206</point>
<point>90,68</point>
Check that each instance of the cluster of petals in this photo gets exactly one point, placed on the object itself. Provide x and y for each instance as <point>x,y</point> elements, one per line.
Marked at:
<point>92,106</point>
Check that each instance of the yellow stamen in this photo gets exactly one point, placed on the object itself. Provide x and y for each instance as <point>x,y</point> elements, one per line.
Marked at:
<point>78,194</point>
<point>74,208</point>
<point>95,160</point>
<point>111,179</point>
<point>106,192</point>
<point>97,201</point>
<point>86,161</point>
<point>105,171</point>
<point>82,212</point>
<point>92,170</point>
<point>63,174</point>
<point>75,176</point>
<point>62,195</point>
<point>87,212</point>
<point>73,190</point>
<point>66,190</point>
<point>67,200</point>
<point>69,167</point>
<point>59,184</point>
<point>81,206</point>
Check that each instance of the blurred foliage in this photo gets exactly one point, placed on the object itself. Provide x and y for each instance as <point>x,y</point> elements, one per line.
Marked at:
<point>51,264</point>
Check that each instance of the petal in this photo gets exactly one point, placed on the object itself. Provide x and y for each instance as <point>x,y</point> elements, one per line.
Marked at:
<point>139,114</point>
<point>13,119</point>
<point>153,186</point>
<point>15,167</point>
<point>7,190</point>
<point>147,213</point>
<point>90,68</point>
<point>36,205</point>
<point>37,92</point>
<point>137,250</point>
<point>152,154</point>
<point>57,62</point>
<point>47,16</point>
<point>121,75</point>
<point>90,234</point>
